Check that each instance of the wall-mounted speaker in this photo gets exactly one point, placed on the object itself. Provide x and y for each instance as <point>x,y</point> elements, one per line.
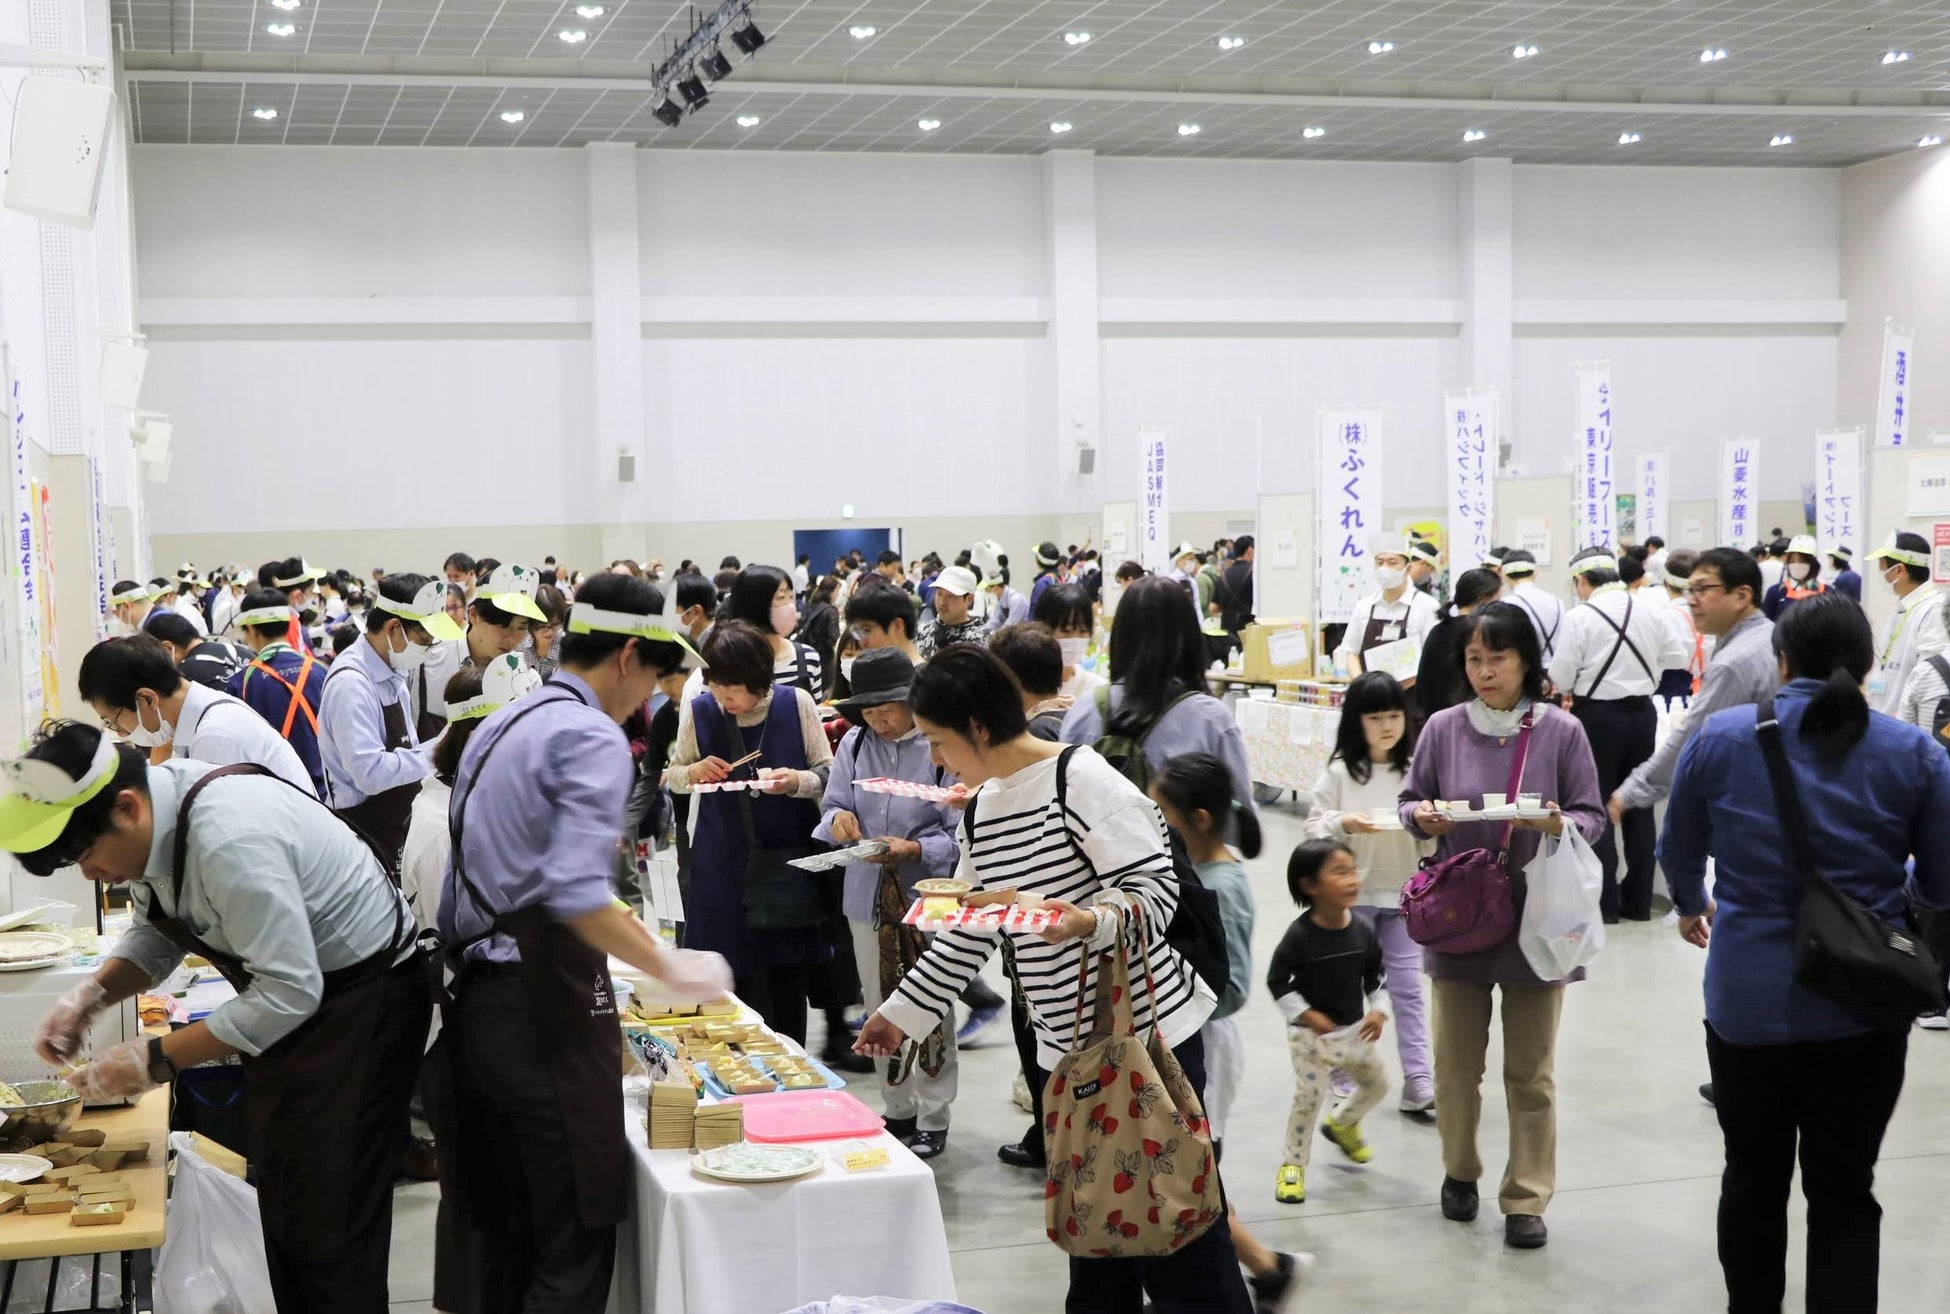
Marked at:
<point>626,467</point>
<point>1086,459</point>
<point>60,143</point>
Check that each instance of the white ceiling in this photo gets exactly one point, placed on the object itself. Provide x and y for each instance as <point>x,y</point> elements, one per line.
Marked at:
<point>997,73</point>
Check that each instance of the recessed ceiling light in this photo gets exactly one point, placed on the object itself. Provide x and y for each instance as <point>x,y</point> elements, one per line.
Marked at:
<point>1473,134</point>
<point>749,120</point>
<point>1231,42</point>
<point>583,11</point>
<point>1711,55</point>
<point>1896,57</point>
<point>280,29</point>
<point>861,31</point>
<point>1627,138</point>
<point>1076,38</point>
<point>573,36</point>
<point>1380,47</point>
<point>1189,129</point>
<point>286,5</point>
<point>1931,140</point>
<point>1523,52</point>
<point>1311,133</point>
<point>264,112</point>
<point>1782,139</point>
<point>1061,126</point>
<point>512,116</point>
<point>928,125</point>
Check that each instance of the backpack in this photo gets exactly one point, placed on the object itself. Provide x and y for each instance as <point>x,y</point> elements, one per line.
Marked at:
<point>1123,751</point>
<point>1940,719</point>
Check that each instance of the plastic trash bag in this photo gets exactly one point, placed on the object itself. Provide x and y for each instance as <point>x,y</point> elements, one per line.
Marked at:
<point>882,1305</point>
<point>212,1258</point>
<point>1562,929</point>
<point>80,1282</point>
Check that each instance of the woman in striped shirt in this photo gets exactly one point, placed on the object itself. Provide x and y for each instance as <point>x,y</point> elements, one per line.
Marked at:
<point>1098,855</point>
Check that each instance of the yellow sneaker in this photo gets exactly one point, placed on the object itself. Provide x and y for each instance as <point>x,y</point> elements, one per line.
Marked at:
<point>1348,1139</point>
<point>1290,1187</point>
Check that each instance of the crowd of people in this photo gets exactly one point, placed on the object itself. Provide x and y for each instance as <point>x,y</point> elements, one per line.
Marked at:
<point>1090,771</point>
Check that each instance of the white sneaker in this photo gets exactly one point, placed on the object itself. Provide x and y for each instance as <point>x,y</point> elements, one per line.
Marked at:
<point>1020,1094</point>
<point>1934,1022</point>
<point>1418,1095</point>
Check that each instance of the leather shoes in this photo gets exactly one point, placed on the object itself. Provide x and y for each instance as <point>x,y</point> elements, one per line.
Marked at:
<point>1021,1155</point>
<point>901,1129</point>
<point>1458,1200</point>
<point>418,1162</point>
<point>929,1144</point>
<point>1525,1232</point>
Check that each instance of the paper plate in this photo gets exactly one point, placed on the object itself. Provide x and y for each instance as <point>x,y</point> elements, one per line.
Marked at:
<point>745,1162</point>
<point>22,1167</point>
<point>21,951</point>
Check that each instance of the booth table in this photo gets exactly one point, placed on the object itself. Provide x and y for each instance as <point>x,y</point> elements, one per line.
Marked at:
<point>704,1247</point>
<point>1287,744</point>
<point>50,1236</point>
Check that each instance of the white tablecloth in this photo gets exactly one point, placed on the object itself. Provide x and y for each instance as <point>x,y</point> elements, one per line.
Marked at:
<point>712,1248</point>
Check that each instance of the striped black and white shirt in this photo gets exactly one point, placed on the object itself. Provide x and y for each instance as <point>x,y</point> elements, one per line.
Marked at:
<point>1106,848</point>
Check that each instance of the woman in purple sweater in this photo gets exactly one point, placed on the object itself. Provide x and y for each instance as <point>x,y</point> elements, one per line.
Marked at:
<point>1465,752</point>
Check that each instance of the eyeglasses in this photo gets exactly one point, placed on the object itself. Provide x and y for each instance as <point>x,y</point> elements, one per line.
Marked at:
<point>1701,590</point>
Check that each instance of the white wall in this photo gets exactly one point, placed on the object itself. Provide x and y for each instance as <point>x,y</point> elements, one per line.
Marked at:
<point>879,330</point>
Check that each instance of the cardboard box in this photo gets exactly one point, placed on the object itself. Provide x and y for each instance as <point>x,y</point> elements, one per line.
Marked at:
<point>59,1203</point>
<point>1278,650</point>
<point>95,1216</point>
<point>91,1137</point>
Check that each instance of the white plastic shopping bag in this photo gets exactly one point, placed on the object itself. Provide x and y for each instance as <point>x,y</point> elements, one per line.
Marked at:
<point>1562,929</point>
<point>213,1254</point>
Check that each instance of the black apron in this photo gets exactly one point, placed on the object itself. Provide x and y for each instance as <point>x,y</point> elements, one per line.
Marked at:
<point>383,818</point>
<point>574,1003</point>
<point>295,1090</point>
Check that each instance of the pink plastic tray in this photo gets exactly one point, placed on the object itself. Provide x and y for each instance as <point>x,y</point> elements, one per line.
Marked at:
<point>807,1115</point>
<point>1009,918</point>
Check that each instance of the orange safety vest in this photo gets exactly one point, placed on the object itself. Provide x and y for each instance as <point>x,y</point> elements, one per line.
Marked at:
<point>298,698</point>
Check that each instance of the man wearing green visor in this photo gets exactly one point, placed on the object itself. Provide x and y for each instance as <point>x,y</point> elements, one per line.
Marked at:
<point>301,916</point>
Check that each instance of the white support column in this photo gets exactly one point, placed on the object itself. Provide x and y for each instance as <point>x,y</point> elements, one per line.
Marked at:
<point>1484,208</point>
<point>616,345</point>
<point>1076,393</point>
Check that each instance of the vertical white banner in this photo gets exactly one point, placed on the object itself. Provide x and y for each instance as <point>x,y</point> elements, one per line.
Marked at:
<point>1154,518</point>
<point>1470,420</point>
<point>1739,493</point>
<point>1654,498</point>
<point>1594,498</point>
<point>99,548</point>
<point>26,587</point>
<point>1838,489</point>
<point>1893,385</point>
<point>1349,501</point>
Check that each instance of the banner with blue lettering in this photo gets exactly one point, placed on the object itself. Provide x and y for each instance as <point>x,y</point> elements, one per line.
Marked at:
<point>1655,497</point>
<point>1348,490</point>
<point>1739,493</point>
<point>1154,515</point>
<point>1594,496</point>
<point>1469,421</point>
<point>1838,489</point>
<point>1893,389</point>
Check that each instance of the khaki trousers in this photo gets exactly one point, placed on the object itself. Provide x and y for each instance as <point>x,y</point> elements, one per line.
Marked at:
<point>1462,1038</point>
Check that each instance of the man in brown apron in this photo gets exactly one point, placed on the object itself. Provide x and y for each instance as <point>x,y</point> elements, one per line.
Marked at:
<point>301,916</point>
<point>372,757</point>
<point>535,1170</point>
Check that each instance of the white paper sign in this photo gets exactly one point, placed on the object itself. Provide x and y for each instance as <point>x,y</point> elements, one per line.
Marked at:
<point>1349,493</point>
<point>1287,647</point>
<point>1469,419</point>
<point>1594,498</point>
<point>1739,492</point>
<point>1655,500</point>
<point>1284,550</point>
<point>1929,484</point>
<point>1252,717</point>
<point>1534,537</point>
<point>1894,384</point>
<point>1693,534</point>
<point>1838,489</point>
<point>1299,725</point>
<point>1401,659</point>
<point>1154,527</point>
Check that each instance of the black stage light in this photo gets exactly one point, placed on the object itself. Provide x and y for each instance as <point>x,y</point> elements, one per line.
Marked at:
<point>715,65</point>
<point>693,92</point>
<point>668,113</point>
<point>748,38</point>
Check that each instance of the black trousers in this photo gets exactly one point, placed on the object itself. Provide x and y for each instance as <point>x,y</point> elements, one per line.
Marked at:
<point>1201,1278</point>
<point>553,1265</point>
<point>1623,733</point>
<point>778,993</point>
<point>374,1132</point>
<point>1025,1037</point>
<point>1831,1100</point>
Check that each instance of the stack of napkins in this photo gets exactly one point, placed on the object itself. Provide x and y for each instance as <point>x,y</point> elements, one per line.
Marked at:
<point>719,1124</point>
<point>673,1109</point>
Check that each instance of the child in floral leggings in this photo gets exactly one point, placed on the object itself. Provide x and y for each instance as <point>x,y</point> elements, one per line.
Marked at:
<point>1326,977</point>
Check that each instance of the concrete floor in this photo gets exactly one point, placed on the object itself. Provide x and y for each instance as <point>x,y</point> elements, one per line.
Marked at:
<point>1639,1155</point>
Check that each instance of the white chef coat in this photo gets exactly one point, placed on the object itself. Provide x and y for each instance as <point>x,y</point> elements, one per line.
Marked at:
<point>1911,637</point>
<point>1591,643</point>
<point>213,727</point>
<point>1545,611</point>
<point>1410,618</point>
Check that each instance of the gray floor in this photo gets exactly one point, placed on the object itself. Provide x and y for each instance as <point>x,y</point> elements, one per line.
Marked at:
<point>1638,1168</point>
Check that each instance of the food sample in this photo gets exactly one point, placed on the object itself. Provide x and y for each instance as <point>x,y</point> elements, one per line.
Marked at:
<point>9,1097</point>
<point>950,889</point>
<point>939,905</point>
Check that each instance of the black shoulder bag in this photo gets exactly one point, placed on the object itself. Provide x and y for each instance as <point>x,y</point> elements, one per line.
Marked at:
<point>1881,973</point>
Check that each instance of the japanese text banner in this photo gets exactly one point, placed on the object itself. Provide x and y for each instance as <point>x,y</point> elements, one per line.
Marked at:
<point>1593,495</point>
<point>1469,421</point>
<point>1838,489</point>
<point>1739,492</point>
<point>1349,493</point>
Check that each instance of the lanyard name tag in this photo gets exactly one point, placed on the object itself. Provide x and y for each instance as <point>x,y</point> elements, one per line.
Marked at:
<point>1879,684</point>
<point>1393,629</point>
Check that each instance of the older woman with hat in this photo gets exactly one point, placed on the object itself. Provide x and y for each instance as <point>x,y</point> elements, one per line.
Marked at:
<point>917,1085</point>
<point>1800,579</point>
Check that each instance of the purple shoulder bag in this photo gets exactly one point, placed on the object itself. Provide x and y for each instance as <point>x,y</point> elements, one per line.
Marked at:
<point>1462,904</point>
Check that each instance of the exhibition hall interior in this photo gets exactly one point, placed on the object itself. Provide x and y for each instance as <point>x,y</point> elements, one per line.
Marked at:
<point>974,656</point>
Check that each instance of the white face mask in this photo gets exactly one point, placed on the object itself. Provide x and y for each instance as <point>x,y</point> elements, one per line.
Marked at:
<point>1891,575</point>
<point>1390,577</point>
<point>412,658</point>
<point>846,667</point>
<point>1799,569</point>
<point>143,737</point>
<point>1074,651</point>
